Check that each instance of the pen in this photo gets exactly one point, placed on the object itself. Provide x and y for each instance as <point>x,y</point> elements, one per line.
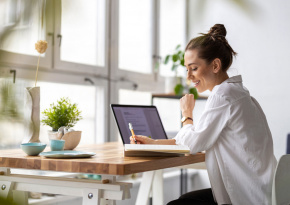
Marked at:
<point>132,132</point>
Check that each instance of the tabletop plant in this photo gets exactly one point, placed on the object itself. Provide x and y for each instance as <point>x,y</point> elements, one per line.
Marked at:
<point>63,113</point>
<point>177,58</point>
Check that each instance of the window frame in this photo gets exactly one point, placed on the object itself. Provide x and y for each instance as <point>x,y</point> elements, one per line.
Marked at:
<point>101,127</point>
<point>25,61</point>
<point>109,77</point>
<point>116,72</point>
<point>78,67</point>
<point>122,79</point>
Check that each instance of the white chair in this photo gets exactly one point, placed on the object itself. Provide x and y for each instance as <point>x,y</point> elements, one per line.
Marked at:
<point>281,182</point>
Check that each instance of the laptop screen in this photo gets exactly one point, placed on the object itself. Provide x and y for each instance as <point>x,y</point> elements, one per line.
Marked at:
<point>145,121</point>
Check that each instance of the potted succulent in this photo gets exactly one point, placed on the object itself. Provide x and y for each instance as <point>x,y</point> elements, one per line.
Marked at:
<point>61,117</point>
<point>177,58</point>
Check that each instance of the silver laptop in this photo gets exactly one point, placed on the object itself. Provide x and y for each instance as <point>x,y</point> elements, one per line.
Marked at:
<point>145,120</point>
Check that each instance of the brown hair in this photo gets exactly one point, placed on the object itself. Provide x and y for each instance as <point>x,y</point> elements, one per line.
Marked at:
<point>213,45</point>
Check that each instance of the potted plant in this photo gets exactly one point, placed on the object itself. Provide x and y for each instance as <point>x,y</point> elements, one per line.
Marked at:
<point>177,58</point>
<point>61,117</point>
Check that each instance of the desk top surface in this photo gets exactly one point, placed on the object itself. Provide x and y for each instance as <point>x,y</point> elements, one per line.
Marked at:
<point>109,159</point>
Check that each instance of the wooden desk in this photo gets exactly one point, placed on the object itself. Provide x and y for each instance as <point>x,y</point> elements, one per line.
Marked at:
<point>108,162</point>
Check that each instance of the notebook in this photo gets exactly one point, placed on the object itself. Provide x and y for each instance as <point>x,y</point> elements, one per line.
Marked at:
<point>146,121</point>
<point>153,150</point>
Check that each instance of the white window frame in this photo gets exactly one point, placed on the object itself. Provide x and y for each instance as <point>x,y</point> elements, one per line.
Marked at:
<point>28,61</point>
<point>110,78</point>
<point>117,73</point>
<point>77,67</point>
<point>101,126</point>
<point>122,79</point>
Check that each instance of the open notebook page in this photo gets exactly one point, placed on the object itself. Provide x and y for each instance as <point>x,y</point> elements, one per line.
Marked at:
<point>157,148</point>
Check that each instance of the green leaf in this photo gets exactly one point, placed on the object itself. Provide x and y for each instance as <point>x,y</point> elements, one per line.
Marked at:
<point>181,55</point>
<point>166,59</point>
<point>174,67</point>
<point>194,92</point>
<point>62,114</point>
<point>156,67</point>
<point>175,58</point>
<point>177,47</point>
<point>178,89</point>
<point>182,62</point>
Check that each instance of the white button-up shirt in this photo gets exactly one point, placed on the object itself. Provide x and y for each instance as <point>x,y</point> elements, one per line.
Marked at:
<point>234,132</point>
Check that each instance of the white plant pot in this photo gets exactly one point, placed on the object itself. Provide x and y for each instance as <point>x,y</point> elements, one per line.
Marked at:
<point>171,82</point>
<point>54,135</point>
<point>72,139</point>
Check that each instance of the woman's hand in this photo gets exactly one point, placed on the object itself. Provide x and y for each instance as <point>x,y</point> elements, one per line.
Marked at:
<point>187,104</point>
<point>141,140</point>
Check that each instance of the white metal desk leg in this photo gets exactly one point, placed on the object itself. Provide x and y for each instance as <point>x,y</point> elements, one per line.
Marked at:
<point>112,179</point>
<point>145,187</point>
<point>6,187</point>
<point>91,197</point>
<point>108,202</point>
<point>157,188</point>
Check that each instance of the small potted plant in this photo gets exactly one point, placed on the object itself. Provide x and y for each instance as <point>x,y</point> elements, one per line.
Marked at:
<point>61,117</point>
<point>177,58</point>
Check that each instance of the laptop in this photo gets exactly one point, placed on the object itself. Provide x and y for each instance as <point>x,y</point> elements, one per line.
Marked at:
<point>144,119</point>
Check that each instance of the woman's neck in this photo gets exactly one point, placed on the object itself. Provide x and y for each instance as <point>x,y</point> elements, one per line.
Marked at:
<point>220,78</point>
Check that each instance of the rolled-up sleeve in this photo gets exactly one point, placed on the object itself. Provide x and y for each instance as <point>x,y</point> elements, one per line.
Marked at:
<point>206,132</point>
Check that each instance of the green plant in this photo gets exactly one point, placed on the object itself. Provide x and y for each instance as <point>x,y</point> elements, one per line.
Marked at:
<point>63,113</point>
<point>8,103</point>
<point>177,59</point>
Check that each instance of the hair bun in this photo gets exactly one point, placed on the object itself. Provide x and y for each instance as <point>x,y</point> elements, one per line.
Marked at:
<point>218,30</point>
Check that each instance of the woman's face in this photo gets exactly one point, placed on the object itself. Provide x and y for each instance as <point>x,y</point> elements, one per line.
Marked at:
<point>199,72</point>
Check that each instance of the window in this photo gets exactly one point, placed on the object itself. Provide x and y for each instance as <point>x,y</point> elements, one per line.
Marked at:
<point>135,31</point>
<point>13,127</point>
<point>100,50</point>
<point>26,23</point>
<point>172,30</point>
<point>75,32</point>
<point>130,97</point>
<point>170,120</point>
<point>82,32</point>
<point>84,96</point>
<point>11,113</point>
<point>134,97</point>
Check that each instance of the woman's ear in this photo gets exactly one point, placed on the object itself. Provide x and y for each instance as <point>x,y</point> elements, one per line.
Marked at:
<point>217,65</point>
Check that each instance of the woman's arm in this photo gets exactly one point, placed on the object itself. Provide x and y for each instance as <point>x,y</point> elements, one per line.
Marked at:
<point>146,140</point>
<point>166,142</point>
<point>187,104</point>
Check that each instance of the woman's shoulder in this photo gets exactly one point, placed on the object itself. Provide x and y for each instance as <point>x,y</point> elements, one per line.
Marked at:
<point>230,92</point>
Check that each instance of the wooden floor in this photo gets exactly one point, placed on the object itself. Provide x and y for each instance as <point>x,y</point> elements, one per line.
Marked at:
<point>109,159</point>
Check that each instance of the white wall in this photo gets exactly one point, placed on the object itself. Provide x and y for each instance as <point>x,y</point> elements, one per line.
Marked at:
<point>262,40</point>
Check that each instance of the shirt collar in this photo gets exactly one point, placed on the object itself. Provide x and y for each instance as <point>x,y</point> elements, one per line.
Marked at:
<point>234,79</point>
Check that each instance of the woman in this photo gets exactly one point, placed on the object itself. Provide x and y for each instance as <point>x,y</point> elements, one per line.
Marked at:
<point>233,129</point>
